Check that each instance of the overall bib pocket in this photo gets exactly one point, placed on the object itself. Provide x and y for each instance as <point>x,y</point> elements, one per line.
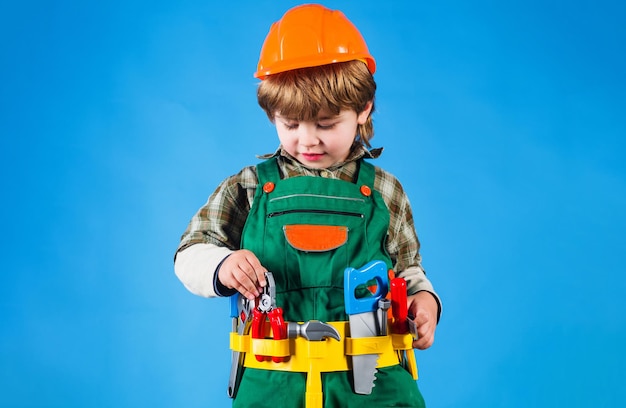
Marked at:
<point>315,244</point>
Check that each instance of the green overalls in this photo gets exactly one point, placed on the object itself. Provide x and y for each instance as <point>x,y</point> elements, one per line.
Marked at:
<point>307,231</point>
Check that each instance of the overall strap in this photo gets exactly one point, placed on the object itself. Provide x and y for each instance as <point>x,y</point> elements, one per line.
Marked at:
<point>268,171</point>
<point>366,174</point>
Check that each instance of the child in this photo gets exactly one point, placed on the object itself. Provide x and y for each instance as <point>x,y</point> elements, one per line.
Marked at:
<point>309,211</point>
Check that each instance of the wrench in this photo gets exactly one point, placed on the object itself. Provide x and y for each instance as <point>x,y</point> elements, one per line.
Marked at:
<point>241,312</point>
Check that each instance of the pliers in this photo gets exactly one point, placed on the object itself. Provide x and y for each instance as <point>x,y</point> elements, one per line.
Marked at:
<point>265,307</point>
<point>249,317</point>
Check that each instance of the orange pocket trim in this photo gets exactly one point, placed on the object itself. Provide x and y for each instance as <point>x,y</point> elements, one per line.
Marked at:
<point>316,238</point>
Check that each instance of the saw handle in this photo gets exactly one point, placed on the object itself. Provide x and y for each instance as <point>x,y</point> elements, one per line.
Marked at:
<point>353,278</point>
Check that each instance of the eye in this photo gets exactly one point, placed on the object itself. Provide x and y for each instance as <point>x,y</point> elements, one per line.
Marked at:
<point>290,125</point>
<point>326,126</point>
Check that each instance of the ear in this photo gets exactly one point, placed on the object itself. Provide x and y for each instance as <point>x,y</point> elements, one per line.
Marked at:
<point>365,113</point>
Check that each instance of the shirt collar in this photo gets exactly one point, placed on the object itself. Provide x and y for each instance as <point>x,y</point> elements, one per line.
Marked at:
<point>357,151</point>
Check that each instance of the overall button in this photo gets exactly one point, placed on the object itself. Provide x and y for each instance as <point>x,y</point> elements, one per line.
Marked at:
<point>268,187</point>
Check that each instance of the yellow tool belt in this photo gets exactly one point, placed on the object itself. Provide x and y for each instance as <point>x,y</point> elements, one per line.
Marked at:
<point>328,355</point>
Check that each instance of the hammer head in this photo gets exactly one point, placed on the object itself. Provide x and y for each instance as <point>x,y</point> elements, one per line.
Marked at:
<point>313,330</point>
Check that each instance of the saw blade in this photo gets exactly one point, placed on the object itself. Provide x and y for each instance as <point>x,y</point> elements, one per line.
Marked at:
<point>363,365</point>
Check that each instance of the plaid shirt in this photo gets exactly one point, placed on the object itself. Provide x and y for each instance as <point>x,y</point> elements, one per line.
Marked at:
<point>221,220</point>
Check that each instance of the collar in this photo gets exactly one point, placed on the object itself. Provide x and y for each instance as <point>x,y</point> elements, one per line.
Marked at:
<point>356,152</point>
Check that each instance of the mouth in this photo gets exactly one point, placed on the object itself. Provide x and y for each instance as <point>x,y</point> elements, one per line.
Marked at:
<point>312,156</point>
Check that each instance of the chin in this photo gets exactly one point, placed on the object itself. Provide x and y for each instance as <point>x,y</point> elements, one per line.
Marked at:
<point>314,165</point>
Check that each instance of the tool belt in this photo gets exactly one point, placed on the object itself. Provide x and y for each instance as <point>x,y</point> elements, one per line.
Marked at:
<point>328,355</point>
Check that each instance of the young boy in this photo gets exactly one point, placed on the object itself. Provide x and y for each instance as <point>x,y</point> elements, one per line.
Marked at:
<point>309,211</point>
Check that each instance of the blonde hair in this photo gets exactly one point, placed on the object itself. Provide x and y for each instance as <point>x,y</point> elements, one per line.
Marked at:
<point>302,93</point>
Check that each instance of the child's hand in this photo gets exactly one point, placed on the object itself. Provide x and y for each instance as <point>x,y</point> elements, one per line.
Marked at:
<point>424,307</point>
<point>243,271</point>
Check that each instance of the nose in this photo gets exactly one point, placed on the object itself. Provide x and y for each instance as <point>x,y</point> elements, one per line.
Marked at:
<point>308,136</point>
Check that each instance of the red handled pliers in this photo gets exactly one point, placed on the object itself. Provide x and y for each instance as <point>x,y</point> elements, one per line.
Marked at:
<point>265,307</point>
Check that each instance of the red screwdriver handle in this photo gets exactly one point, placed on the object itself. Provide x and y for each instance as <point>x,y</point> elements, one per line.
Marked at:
<point>398,305</point>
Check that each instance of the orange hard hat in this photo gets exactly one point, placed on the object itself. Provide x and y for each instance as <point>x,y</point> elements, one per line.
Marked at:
<point>308,36</point>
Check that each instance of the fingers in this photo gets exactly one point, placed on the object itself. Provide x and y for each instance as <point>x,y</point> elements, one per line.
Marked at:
<point>423,306</point>
<point>243,271</point>
<point>425,332</point>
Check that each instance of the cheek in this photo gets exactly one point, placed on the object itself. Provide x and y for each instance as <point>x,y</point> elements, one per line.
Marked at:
<point>283,136</point>
<point>288,141</point>
<point>344,139</point>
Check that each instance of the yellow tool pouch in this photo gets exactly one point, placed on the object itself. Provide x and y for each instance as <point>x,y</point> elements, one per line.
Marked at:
<point>328,355</point>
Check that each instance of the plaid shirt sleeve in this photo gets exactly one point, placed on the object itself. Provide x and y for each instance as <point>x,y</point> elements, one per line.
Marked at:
<point>221,220</point>
<point>402,243</point>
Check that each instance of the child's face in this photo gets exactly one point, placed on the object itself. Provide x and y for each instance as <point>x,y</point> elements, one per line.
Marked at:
<point>321,143</point>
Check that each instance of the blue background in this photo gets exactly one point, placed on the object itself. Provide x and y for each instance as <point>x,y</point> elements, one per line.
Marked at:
<point>504,120</point>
